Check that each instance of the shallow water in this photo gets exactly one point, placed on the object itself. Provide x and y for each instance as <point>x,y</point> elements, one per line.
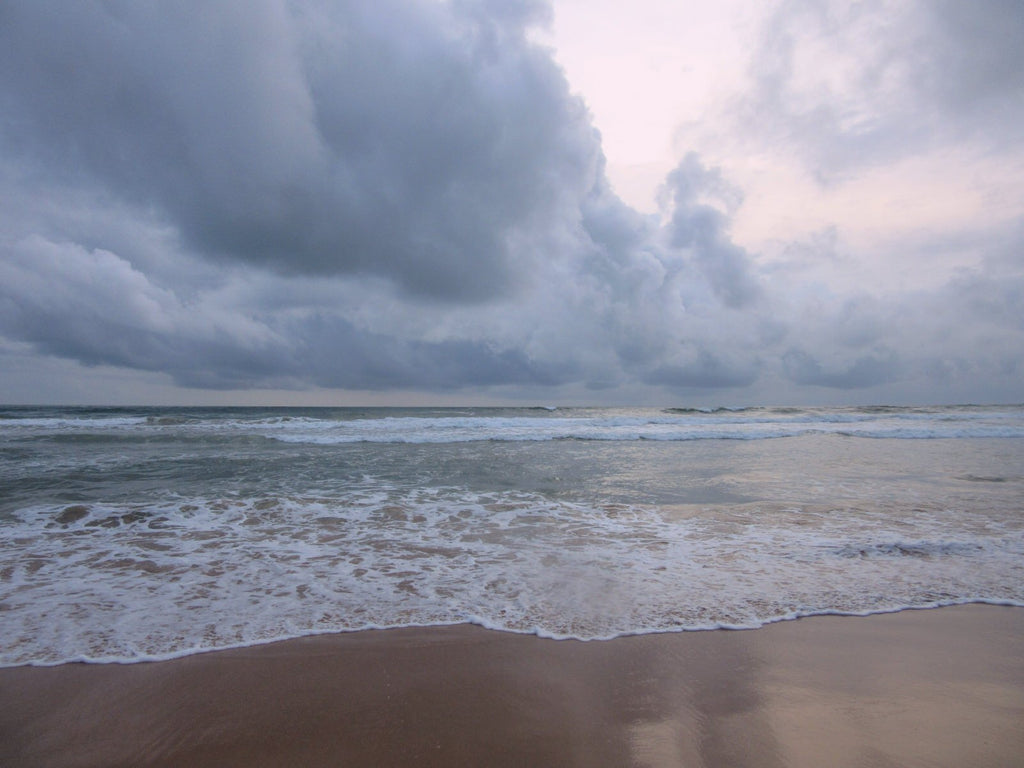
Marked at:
<point>129,534</point>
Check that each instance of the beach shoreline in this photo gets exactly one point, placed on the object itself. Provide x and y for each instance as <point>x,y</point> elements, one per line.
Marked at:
<point>939,687</point>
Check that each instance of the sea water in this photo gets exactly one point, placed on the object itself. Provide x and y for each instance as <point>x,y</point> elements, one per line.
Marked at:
<point>129,534</point>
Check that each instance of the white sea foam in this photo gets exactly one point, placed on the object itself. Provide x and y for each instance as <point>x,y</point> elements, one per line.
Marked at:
<point>449,426</point>
<point>415,429</point>
<point>138,534</point>
<point>137,582</point>
<point>72,423</point>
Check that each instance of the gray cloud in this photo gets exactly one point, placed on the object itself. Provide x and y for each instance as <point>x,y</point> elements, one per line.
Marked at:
<point>698,225</point>
<point>865,371</point>
<point>428,144</point>
<point>406,195</point>
<point>853,84</point>
<point>705,371</point>
<point>965,336</point>
<point>96,308</point>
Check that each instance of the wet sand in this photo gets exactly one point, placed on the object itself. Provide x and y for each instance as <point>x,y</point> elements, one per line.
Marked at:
<point>938,688</point>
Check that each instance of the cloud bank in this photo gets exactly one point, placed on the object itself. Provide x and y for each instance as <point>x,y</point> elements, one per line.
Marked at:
<point>405,195</point>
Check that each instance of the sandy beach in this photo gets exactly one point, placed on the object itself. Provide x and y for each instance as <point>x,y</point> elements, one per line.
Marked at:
<point>938,687</point>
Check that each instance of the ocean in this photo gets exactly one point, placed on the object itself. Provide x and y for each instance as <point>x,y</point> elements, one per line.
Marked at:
<point>134,534</point>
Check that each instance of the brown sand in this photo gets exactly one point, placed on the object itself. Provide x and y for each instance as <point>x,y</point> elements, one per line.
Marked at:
<point>920,688</point>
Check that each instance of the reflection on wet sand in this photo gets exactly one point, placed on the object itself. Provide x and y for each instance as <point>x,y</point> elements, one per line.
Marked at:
<point>942,687</point>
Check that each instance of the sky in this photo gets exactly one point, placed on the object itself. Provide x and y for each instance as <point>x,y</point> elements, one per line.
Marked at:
<point>402,202</point>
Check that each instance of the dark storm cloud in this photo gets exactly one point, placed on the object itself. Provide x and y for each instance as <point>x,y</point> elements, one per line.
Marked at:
<point>867,370</point>
<point>345,357</point>
<point>705,371</point>
<point>397,195</point>
<point>426,143</point>
<point>424,161</point>
<point>94,307</point>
